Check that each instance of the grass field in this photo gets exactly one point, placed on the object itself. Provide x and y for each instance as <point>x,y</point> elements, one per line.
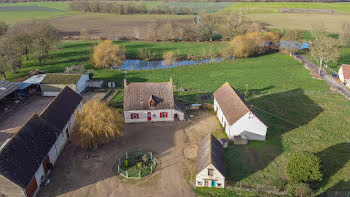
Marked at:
<point>205,6</point>
<point>274,7</point>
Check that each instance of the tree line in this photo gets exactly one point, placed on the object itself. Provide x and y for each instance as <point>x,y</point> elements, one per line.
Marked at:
<point>325,1</point>
<point>127,8</point>
<point>20,40</point>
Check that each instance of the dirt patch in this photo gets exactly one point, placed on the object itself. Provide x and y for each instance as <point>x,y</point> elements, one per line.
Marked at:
<point>108,26</point>
<point>13,121</point>
<point>93,94</point>
<point>75,174</point>
<point>191,151</point>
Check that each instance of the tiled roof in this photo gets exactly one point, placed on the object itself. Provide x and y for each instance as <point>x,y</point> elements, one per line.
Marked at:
<point>210,151</point>
<point>137,96</point>
<point>61,108</point>
<point>24,153</point>
<point>346,71</point>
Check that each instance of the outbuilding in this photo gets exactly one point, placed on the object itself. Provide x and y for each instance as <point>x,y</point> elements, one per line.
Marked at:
<point>210,171</point>
<point>53,83</point>
<point>150,102</point>
<point>344,74</point>
<point>236,116</point>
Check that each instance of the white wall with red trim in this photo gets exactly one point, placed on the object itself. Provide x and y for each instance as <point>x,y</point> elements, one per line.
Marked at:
<point>156,115</point>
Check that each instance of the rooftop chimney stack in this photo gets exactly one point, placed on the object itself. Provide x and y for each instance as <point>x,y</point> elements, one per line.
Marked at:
<point>125,84</point>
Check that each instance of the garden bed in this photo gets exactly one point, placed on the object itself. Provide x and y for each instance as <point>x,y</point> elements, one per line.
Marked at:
<point>137,164</point>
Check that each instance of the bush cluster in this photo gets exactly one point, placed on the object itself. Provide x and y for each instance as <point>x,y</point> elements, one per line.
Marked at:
<point>127,8</point>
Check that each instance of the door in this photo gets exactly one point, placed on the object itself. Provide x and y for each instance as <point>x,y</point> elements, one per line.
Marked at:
<point>176,117</point>
<point>213,183</point>
<point>206,183</point>
<point>149,115</point>
<point>46,163</point>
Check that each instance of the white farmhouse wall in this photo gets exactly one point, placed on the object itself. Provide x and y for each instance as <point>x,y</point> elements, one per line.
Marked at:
<point>250,126</point>
<point>81,85</point>
<point>155,115</point>
<point>39,173</point>
<point>221,117</point>
<point>341,74</point>
<point>217,176</point>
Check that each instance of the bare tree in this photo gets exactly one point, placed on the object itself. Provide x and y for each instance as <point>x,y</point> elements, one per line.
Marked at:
<point>10,56</point>
<point>208,25</point>
<point>3,28</point>
<point>318,31</point>
<point>291,41</point>
<point>23,35</point>
<point>325,50</point>
<point>45,38</point>
<point>233,24</point>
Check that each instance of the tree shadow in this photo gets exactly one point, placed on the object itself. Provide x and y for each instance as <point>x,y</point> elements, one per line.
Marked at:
<point>341,189</point>
<point>333,159</point>
<point>281,112</point>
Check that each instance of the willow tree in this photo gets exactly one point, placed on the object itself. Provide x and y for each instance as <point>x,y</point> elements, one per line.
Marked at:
<point>106,55</point>
<point>96,124</point>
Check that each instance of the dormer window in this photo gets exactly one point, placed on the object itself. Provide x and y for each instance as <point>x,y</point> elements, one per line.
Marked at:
<point>141,100</point>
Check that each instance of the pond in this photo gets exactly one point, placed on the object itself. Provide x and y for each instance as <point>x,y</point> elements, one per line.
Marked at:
<point>134,64</point>
<point>298,45</point>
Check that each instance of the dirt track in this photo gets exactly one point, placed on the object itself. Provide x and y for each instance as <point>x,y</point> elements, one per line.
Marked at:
<point>76,175</point>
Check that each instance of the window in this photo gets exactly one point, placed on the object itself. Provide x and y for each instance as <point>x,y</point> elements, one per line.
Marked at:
<point>200,183</point>
<point>210,172</point>
<point>134,116</point>
<point>163,114</point>
<point>219,184</point>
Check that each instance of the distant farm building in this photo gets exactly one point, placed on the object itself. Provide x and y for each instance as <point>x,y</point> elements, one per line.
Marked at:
<point>344,74</point>
<point>210,171</point>
<point>53,83</point>
<point>236,116</point>
<point>150,102</point>
<point>27,158</point>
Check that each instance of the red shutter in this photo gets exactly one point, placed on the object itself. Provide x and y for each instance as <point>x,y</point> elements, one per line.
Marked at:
<point>160,114</point>
<point>132,116</point>
<point>137,116</point>
<point>166,114</point>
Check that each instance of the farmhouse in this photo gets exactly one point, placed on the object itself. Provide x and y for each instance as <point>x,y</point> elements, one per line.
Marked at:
<point>236,116</point>
<point>344,74</point>
<point>53,83</point>
<point>150,102</point>
<point>210,171</point>
<point>29,155</point>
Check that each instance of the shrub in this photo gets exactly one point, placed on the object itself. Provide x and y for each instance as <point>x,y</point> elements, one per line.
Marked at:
<point>299,189</point>
<point>126,164</point>
<point>106,55</point>
<point>169,58</point>
<point>304,167</point>
<point>78,69</point>
<point>139,165</point>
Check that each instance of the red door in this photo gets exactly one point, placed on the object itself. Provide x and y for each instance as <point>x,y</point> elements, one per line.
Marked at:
<point>31,188</point>
<point>45,163</point>
<point>149,115</point>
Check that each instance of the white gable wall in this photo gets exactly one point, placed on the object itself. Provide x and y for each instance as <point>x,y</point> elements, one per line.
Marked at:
<point>221,117</point>
<point>203,176</point>
<point>155,115</point>
<point>341,74</point>
<point>81,85</point>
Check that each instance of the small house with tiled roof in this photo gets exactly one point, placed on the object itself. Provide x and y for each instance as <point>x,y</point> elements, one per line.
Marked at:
<point>53,83</point>
<point>344,74</point>
<point>150,102</point>
<point>210,170</point>
<point>29,155</point>
<point>236,116</point>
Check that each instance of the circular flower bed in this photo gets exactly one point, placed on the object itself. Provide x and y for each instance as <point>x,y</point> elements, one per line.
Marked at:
<point>137,164</point>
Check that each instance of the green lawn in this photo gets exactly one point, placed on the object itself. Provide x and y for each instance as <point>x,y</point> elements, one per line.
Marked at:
<point>205,6</point>
<point>274,7</point>
<point>309,116</point>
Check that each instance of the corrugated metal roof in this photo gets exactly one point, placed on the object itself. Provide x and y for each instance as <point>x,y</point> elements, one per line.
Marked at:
<point>35,79</point>
<point>7,88</point>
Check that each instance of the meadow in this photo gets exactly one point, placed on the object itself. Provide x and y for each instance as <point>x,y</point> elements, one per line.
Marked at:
<point>306,115</point>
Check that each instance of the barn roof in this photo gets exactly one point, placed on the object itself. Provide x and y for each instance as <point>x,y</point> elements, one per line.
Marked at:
<point>346,71</point>
<point>61,78</point>
<point>210,151</point>
<point>232,104</point>
<point>61,108</point>
<point>23,154</point>
<point>138,95</point>
<point>7,88</point>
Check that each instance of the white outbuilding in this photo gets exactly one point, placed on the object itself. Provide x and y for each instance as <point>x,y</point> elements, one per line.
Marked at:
<point>151,102</point>
<point>53,83</point>
<point>236,116</point>
<point>210,171</point>
<point>344,74</point>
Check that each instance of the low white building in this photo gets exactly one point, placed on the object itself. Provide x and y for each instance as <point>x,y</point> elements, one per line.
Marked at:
<point>53,83</point>
<point>344,74</point>
<point>150,102</point>
<point>210,171</point>
<point>30,154</point>
<point>236,116</point>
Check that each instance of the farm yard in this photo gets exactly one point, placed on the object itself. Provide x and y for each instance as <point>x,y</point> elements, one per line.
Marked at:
<point>302,112</point>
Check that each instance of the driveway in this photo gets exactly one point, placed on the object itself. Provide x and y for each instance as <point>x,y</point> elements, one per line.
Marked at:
<point>82,173</point>
<point>13,121</point>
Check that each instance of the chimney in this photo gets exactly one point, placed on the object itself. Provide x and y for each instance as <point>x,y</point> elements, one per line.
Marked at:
<point>125,84</point>
<point>171,80</point>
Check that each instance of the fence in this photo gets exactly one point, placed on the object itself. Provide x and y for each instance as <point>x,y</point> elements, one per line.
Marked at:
<point>260,189</point>
<point>132,160</point>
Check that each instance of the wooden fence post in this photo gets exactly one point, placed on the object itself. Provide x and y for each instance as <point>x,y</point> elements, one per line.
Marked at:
<point>118,169</point>
<point>139,174</point>
<point>126,173</point>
